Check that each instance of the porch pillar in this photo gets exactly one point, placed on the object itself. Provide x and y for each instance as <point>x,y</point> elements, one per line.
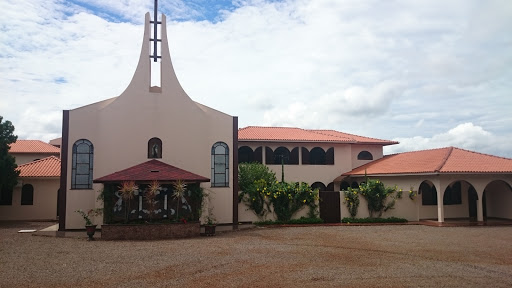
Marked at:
<point>479,208</point>
<point>440,207</point>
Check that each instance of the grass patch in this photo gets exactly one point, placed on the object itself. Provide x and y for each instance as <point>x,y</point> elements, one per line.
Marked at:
<point>373,220</point>
<point>302,220</point>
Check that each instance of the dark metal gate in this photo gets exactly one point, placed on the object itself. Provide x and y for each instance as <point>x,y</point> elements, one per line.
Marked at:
<point>330,206</point>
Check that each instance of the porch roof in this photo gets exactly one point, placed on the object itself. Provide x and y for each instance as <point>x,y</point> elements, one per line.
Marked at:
<point>439,161</point>
<point>152,170</point>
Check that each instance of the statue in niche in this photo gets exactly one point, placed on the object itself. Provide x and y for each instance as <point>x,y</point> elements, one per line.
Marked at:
<point>154,148</point>
<point>154,151</point>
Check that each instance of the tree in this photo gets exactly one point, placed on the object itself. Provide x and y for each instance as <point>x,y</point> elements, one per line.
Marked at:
<point>8,173</point>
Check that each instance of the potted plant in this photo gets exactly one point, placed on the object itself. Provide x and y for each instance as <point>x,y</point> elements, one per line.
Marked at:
<point>89,226</point>
<point>210,224</point>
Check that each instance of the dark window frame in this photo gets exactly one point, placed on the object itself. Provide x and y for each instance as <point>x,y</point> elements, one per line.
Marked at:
<point>364,155</point>
<point>215,165</point>
<point>27,194</point>
<point>245,154</point>
<point>89,164</point>
<point>428,194</point>
<point>317,156</point>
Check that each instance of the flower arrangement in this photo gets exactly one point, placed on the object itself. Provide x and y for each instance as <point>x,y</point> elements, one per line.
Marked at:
<point>90,213</point>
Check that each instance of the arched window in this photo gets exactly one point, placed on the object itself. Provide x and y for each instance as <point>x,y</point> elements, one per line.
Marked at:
<point>428,194</point>
<point>82,165</point>
<point>155,148</point>
<point>344,185</point>
<point>317,156</point>
<point>364,155</point>
<point>355,185</point>
<point>452,194</point>
<point>282,154</point>
<point>27,194</point>
<point>220,165</point>
<point>245,154</point>
<point>319,185</point>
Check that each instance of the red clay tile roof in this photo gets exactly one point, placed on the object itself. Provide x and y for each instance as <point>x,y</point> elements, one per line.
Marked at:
<point>278,134</point>
<point>442,160</point>
<point>33,146</point>
<point>152,170</point>
<point>46,167</point>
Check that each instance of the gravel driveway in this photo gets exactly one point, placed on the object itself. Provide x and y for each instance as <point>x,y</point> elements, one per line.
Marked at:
<point>335,256</point>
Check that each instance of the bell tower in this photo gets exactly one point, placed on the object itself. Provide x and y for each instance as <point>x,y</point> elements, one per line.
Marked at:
<point>155,50</point>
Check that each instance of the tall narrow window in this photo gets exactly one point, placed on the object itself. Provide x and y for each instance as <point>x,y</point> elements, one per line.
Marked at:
<point>27,194</point>
<point>155,148</point>
<point>82,165</point>
<point>220,165</point>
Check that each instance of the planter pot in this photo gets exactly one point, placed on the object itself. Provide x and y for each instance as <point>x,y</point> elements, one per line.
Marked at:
<point>209,230</point>
<point>91,229</point>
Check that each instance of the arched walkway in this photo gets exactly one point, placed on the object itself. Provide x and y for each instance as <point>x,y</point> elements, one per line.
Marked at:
<point>497,200</point>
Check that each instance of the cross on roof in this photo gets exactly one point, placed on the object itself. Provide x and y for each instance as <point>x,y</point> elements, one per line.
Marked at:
<point>155,34</point>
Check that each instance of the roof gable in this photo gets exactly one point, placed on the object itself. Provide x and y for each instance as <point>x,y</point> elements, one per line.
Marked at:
<point>277,134</point>
<point>46,167</point>
<point>33,146</point>
<point>152,170</point>
<point>442,160</point>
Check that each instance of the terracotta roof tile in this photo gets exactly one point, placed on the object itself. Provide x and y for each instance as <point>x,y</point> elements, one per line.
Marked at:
<point>442,160</point>
<point>255,133</point>
<point>33,146</point>
<point>46,167</point>
<point>152,170</point>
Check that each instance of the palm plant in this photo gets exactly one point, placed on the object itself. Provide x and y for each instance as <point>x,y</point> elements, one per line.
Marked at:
<point>150,196</point>
<point>178,194</point>
<point>127,190</point>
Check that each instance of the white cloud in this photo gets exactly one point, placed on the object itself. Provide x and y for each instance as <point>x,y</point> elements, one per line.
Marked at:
<point>467,136</point>
<point>391,70</point>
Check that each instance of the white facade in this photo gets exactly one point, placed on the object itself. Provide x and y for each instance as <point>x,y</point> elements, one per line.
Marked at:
<point>120,128</point>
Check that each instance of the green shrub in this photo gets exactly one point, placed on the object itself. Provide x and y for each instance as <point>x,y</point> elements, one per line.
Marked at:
<point>253,180</point>
<point>260,191</point>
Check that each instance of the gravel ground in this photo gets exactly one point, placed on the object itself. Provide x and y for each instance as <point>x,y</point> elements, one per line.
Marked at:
<point>335,256</point>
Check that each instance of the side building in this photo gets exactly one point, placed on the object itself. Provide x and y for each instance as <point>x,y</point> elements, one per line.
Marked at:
<point>35,196</point>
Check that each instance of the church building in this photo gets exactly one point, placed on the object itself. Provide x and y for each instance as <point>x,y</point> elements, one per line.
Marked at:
<point>156,132</point>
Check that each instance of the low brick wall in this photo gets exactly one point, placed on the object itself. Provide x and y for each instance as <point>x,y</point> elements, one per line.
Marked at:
<point>150,231</point>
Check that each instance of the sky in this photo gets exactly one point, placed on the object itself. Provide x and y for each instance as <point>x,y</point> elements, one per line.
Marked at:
<point>428,74</point>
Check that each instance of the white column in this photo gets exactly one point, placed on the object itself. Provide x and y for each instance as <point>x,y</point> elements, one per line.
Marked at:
<point>479,208</point>
<point>440,208</point>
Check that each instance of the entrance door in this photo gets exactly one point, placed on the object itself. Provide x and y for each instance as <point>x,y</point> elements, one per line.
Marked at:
<point>330,206</point>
